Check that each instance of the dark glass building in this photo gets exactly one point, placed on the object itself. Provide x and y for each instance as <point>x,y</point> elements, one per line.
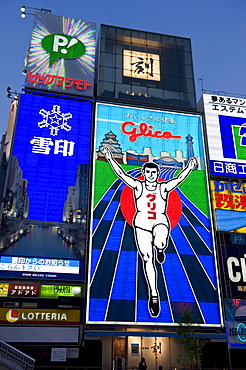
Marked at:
<point>145,68</point>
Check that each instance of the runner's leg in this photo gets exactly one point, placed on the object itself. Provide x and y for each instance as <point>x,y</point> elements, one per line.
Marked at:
<point>144,241</point>
<point>160,240</point>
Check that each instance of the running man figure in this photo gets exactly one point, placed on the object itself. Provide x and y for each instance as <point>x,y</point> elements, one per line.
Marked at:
<point>151,224</point>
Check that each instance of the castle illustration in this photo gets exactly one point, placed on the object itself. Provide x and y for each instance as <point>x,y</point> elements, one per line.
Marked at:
<point>133,158</point>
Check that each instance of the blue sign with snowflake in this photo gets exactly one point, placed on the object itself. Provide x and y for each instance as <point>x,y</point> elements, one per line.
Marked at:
<point>51,149</point>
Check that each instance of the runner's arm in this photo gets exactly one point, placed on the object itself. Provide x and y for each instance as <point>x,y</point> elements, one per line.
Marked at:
<point>173,183</point>
<point>128,180</point>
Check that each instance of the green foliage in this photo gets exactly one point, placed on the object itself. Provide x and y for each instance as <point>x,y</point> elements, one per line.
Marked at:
<point>105,176</point>
<point>191,352</point>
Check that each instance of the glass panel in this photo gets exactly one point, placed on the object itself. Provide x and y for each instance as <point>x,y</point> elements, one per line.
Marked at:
<point>122,91</point>
<point>188,100</point>
<point>118,75</point>
<point>106,89</point>
<point>169,55</point>
<point>108,32</point>
<point>107,60</point>
<point>124,35</point>
<point>168,40</point>
<point>169,69</point>
<point>156,96</point>
<point>106,74</point>
<point>172,97</point>
<point>185,71</point>
<point>119,47</point>
<point>183,44</point>
<point>186,85</point>
<point>153,40</point>
<point>184,58</point>
<point>170,83</point>
<point>107,45</point>
<point>119,61</point>
<point>139,37</point>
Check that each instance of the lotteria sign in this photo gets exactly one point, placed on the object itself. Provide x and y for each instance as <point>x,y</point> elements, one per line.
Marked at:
<point>39,316</point>
<point>61,55</point>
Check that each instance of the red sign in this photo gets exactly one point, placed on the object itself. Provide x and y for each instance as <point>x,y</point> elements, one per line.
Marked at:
<point>25,290</point>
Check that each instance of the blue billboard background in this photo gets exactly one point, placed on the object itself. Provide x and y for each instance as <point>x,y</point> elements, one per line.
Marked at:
<point>49,162</point>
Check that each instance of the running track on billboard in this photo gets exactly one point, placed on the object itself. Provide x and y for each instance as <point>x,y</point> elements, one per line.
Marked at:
<point>186,280</point>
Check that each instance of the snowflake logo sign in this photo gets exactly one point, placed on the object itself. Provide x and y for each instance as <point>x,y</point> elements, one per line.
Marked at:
<point>55,120</point>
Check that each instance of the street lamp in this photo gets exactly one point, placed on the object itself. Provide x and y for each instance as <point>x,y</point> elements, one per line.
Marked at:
<point>24,13</point>
<point>12,94</point>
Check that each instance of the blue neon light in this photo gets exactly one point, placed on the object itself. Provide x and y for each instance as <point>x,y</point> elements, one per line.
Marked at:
<point>49,175</point>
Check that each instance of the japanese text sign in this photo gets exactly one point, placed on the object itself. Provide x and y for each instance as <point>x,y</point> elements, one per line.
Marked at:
<point>61,55</point>
<point>50,143</point>
<point>138,152</point>
<point>225,119</point>
<point>229,203</point>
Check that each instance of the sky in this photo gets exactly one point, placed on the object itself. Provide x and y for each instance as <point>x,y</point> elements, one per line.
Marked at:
<point>217,31</point>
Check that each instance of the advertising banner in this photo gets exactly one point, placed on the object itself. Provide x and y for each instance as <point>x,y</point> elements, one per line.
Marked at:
<point>235,309</point>
<point>225,126</point>
<point>61,55</point>
<point>229,204</point>
<point>55,291</point>
<point>152,250</point>
<point>42,291</point>
<point>236,333</point>
<point>48,180</point>
<point>236,269</point>
<point>39,316</point>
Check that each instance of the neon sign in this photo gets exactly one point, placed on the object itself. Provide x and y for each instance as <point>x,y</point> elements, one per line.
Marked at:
<point>61,51</point>
<point>120,292</point>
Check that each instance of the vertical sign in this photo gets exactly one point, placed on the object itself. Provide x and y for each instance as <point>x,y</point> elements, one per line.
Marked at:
<point>152,249</point>
<point>48,180</point>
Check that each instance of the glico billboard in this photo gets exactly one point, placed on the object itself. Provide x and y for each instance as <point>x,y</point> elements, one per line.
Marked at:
<point>61,55</point>
<point>47,187</point>
<point>225,120</point>
<point>152,250</point>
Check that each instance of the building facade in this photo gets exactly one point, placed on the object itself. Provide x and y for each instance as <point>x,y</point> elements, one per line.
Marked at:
<point>86,270</point>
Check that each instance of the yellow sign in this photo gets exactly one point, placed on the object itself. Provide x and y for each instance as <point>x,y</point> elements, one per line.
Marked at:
<point>39,316</point>
<point>229,204</point>
<point>4,288</point>
<point>137,64</point>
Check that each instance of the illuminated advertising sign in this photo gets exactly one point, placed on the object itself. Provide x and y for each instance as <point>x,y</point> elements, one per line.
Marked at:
<point>42,291</point>
<point>235,309</point>
<point>141,65</point>
<point>236,333</point>
<point>48,177</point>
<point>23,290</point>
<point>229,203</point>
<point>152,250</point>
<point>39,316</point>
<point>61,56</point>
<point>4,288</point>
<point>55,291</point>
<point>236,267</point>
<point>225,119</point>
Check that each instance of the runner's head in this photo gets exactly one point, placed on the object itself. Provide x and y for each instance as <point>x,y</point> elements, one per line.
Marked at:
<point>150,171</point>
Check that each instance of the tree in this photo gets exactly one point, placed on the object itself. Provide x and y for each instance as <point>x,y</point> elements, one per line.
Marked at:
<point>191,351</point>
